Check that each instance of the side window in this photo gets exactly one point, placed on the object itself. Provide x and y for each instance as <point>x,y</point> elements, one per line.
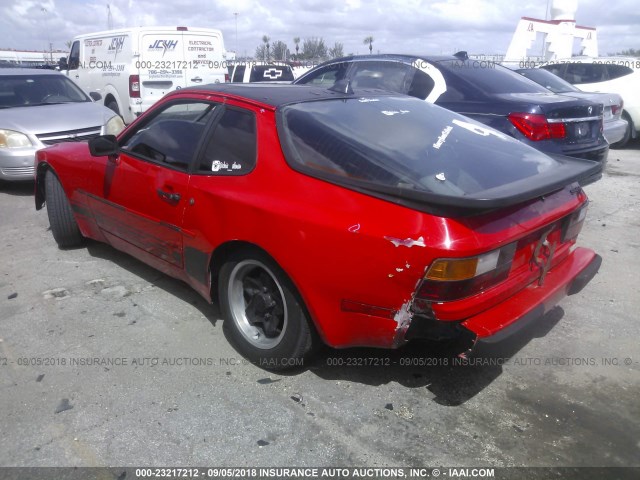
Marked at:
<point>172,135</point>
<point>74,56</point>
<point>326,75</point>
<point>421,85</point>
<point>391,76</point>
<point>586,73</point>
<point>617,71</point>
<point>238,75</point>
<point>231,150</point>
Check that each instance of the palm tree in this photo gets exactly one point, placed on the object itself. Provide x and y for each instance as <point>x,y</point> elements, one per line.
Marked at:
<point>296,40</point>
<point>265,40</point>
<point>369,40</point>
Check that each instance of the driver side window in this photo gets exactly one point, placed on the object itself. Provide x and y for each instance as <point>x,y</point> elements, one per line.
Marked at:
<point>172,136</point>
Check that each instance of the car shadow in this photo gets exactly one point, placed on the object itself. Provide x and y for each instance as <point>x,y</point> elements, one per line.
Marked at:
<point>172,286</point>
<point>23,188</point>
<point>436,367</point>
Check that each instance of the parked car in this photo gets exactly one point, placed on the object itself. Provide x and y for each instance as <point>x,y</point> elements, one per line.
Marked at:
<point>615,127</point>
<point>483,91</point>
<point>612,74</point>
<point>40,108</point>
<point>246,72</point>
<point>364,218</point>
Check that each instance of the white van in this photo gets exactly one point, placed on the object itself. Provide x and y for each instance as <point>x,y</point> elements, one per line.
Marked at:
<point>132,68</point>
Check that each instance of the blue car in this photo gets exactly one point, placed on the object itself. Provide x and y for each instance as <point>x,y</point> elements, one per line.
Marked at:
<point>484,91</point>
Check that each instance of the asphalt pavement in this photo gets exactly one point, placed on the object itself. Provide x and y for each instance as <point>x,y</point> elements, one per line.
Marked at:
<point>107,362</point>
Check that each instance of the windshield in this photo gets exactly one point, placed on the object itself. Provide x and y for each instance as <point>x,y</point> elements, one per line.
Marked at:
<point>407,147</point>
<point>488,77</point>
<point>548,80</point>
<point>34,90</point>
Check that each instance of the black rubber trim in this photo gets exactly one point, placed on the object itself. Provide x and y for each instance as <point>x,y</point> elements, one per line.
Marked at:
<point>585,276</point>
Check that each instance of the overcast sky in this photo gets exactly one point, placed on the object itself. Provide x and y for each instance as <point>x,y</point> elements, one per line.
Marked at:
<point>406,26</point>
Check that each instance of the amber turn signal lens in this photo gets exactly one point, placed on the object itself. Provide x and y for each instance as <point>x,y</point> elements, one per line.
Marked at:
<point>453,269</point>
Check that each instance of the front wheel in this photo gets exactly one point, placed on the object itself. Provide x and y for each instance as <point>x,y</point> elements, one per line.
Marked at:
<point>63,223</point>
<point>263,314</point>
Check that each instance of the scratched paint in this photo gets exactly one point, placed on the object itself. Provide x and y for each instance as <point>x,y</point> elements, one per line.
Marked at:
<point>407,242</point>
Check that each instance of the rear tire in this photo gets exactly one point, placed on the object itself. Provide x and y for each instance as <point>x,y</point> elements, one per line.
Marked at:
<point>63,223</point>
<point>627,134</point>
<point>263,314</point>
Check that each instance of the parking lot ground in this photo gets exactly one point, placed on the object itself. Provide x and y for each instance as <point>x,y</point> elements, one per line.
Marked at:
<point>106,362</point>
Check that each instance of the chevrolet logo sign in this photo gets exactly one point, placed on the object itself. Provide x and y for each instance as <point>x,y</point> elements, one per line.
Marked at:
<point>272,73</point>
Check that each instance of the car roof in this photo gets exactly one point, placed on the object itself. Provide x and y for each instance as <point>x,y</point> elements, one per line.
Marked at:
<point>276,95</point>
<point>28,71</point>
<point>397,57</point>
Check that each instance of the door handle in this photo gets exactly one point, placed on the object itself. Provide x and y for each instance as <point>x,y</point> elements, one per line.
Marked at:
<point>172,197</point>
<point>196,79</point>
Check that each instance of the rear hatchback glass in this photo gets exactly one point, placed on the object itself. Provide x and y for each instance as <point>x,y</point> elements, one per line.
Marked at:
<point>271,73</point>
<point>408,148</point>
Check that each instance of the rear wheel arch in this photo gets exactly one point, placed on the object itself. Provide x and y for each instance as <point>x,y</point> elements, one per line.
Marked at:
<point>228,250</point>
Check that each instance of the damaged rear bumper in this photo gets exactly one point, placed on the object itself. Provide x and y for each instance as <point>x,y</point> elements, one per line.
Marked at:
<point>531,303</point>
<point>519,310</point>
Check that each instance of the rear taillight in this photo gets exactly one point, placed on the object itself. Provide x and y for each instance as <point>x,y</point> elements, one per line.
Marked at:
<point>572,225</point>
<point>134,86</point>
<point>226,78</point>
<point>536,127</point>
<point>454,278</point>
<point>616,109</point>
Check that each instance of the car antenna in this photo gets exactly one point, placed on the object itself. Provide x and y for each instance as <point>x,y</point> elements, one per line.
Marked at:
<point>342,86</point>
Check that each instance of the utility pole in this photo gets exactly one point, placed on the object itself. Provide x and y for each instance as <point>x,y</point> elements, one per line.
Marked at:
<point>236,15</point>
<point>109,18</point>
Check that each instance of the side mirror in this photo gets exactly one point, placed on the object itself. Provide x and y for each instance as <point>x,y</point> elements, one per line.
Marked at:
<point>95,95</point>
<point>104,145</point>
<point>62,64</point>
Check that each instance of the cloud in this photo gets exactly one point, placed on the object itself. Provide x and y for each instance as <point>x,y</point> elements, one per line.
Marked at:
<point>409,26</point>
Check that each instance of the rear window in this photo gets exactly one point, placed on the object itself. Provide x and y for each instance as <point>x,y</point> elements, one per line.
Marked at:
<point>271,73</point>
<point>405,144</point>
<point>617,71</point>
<point>466,77</point>
<point>548,80</point>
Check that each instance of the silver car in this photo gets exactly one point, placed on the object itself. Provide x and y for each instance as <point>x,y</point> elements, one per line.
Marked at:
<point>40,108</point>
<point>614,125</point>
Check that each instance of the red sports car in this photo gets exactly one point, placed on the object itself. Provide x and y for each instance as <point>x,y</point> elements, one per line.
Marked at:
<point>361,218</point>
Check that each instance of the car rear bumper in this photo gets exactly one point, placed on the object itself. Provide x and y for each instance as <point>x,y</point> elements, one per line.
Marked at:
<point>614,130</point>
<point>531,303</point>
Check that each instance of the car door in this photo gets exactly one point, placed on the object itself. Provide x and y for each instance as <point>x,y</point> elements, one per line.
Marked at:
<point>141,195</point>
<point>220,182</point>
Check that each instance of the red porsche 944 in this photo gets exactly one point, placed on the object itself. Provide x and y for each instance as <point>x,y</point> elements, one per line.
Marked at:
<point>356,218</point>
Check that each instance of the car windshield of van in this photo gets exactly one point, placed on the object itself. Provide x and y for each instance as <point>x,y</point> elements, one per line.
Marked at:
<point>36,90</point>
